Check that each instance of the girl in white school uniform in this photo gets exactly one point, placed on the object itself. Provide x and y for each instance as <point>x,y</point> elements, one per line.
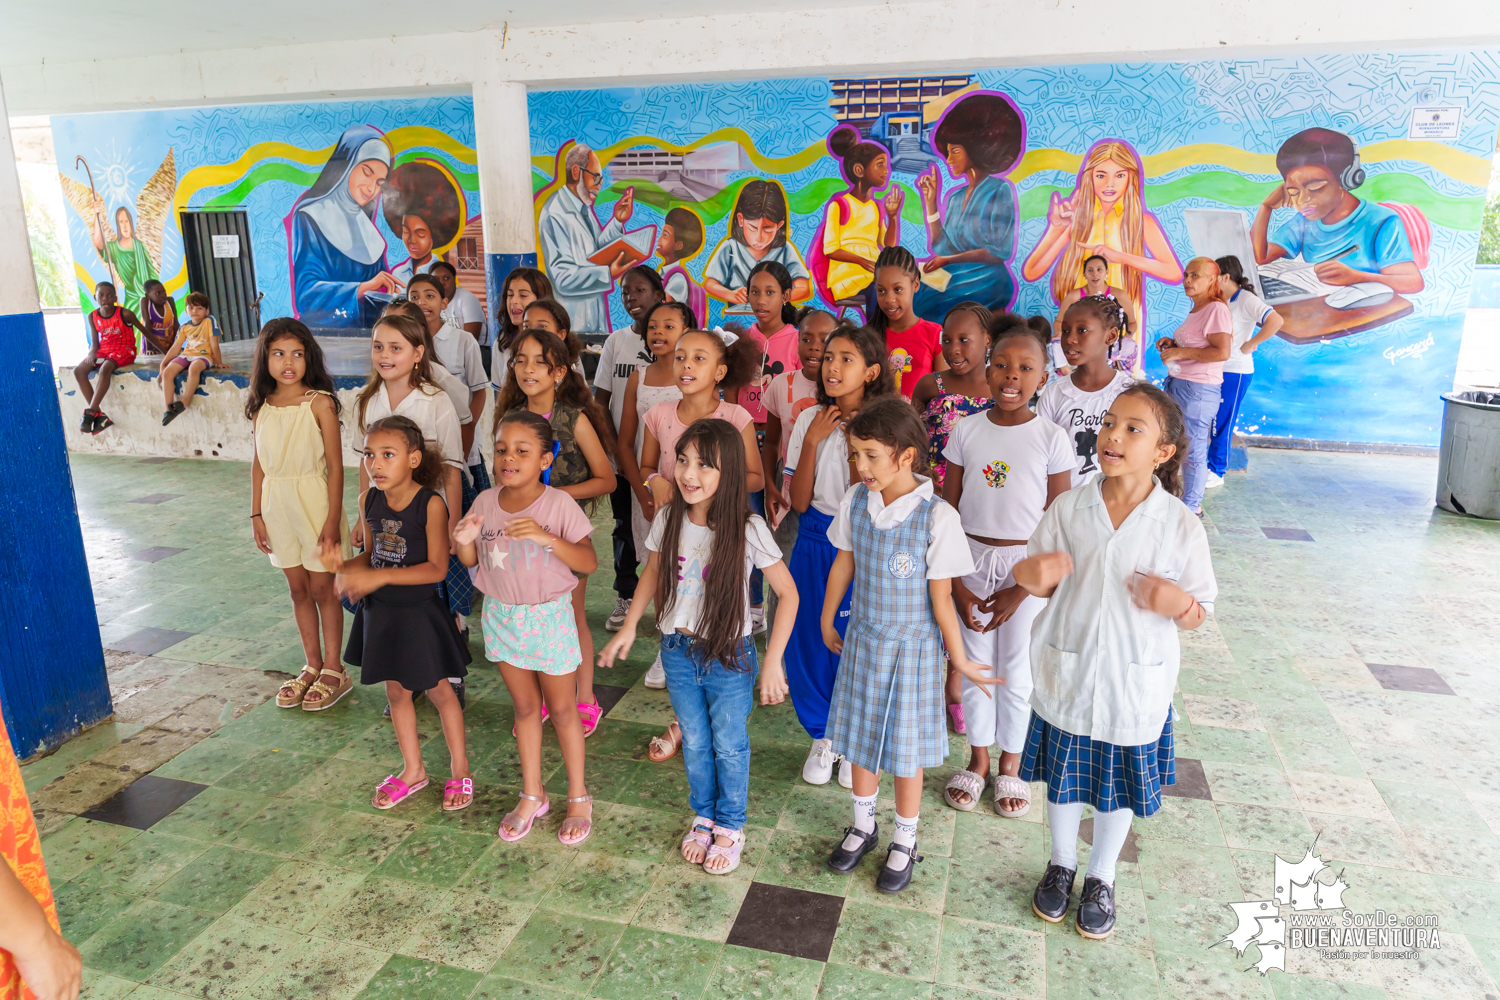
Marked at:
<point>1123,565</point>
<point>1005,467</point>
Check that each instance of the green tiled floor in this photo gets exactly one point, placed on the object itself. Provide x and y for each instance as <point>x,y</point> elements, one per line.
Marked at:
<point>280,880</point>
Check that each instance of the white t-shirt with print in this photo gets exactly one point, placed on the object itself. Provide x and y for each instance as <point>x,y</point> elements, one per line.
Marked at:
<point>1079,413</point>
<point>1005,472</point>
<point>624,352</point>
<point>694,546</point>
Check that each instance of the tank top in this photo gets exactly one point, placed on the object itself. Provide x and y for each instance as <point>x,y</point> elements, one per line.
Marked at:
<point>112,330</point>
<point>397,538</point>
<point>157,318</point>
<point>569,466</point>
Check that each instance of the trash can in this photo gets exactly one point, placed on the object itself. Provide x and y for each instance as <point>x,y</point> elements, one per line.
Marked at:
<point>1469,460</point>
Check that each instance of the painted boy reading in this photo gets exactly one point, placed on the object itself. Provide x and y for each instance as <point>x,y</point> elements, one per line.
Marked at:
<point>1350,240</point>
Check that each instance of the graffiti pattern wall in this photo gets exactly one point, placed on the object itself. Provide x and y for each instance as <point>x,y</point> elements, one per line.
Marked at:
<point>344,200</point>
<point>1349,186</point>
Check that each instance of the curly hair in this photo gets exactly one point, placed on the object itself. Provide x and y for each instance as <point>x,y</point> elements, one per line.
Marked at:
<point>870,346</point>
<point>572,391</point>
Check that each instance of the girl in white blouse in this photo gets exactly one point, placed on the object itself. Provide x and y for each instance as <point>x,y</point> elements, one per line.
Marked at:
<point>855,371</point>
<point>1123,565</point>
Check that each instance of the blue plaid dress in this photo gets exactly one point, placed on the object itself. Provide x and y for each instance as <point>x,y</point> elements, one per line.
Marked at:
<point>1106,776</point>
<point>887,707</point>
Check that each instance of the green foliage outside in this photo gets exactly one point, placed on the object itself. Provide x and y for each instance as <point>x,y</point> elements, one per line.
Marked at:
<point>49,259</point>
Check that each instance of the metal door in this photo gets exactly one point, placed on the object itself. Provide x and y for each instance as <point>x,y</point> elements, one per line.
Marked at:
<point>221,266</point>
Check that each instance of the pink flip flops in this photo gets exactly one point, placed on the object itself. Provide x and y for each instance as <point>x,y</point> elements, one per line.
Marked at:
<point>396,790</point>
<point>458,786</point>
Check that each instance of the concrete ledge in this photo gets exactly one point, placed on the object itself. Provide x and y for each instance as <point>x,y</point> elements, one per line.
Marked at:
<point>1360,447</point>
<point>213,426</point>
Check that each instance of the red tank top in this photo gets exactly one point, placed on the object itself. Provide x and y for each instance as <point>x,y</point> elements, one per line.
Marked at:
<point>112,330</point>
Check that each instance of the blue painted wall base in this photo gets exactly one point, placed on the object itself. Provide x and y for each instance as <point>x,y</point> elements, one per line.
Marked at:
<point>52,679</point>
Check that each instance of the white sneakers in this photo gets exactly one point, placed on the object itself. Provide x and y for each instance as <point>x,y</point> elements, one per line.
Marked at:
<point>818,767</point>
<point>1214,479</point>
<point>616,619</point>
<point>656,678</point>
<point>758,621</point>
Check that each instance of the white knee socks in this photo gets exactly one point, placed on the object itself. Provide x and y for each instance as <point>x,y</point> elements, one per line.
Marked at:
<point>1062,823</point>
<point>864,819</point>
<point>1110,831</point>
<point>906,836</point>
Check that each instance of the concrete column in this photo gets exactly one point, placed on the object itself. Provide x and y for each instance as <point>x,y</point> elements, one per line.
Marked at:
<point>52,679</point>
<point>502,138</point>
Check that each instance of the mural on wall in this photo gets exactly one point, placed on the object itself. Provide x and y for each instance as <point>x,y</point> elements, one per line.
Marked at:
<point>344,201</point>
<point>1358,226</point>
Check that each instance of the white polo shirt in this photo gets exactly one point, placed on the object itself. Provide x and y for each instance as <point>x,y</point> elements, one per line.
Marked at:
<point>1102,667</point>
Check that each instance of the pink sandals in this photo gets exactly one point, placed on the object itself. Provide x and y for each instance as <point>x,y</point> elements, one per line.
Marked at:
<point>732,852</point>
<point>590,715</point>
<point>574,823</point>
<point>956,710</point>
<point>702,834</point>
<point>511,818</point>
<point>544,719</point>
<point>396,791</point>
<point>458,786</point>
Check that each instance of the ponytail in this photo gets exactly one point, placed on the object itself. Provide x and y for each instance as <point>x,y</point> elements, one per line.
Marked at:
<point>430,472</point>
<point>783,277</point>
<point>902,259</point>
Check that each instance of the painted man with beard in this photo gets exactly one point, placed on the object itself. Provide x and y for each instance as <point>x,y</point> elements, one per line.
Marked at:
<point>570,234</point>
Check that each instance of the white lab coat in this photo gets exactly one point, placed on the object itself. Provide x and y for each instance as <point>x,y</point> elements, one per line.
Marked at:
<point>570,233</point>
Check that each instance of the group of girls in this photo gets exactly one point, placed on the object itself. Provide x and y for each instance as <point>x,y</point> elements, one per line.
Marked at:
<point>961,536</point>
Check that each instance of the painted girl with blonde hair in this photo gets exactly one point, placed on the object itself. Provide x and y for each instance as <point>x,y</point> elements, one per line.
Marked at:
<point>1105,215</point>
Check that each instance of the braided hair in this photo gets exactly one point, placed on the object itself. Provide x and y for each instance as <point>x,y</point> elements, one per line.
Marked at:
<point>902,260</point>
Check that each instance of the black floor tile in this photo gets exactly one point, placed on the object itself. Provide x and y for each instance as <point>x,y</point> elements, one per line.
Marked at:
<point>156,498</point>
<point>144,802</point>
<point>150,641</point>
<point>155,553</point>
<point>156,461</point>
<point>1421,679</point>
<point>1192,783</point>
<point>1130,852</point>
<point>789,921</point>
<point>1287,534</point>
<point>608,696</point>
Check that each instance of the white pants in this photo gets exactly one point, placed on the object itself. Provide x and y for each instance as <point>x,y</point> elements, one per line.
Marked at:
<point>1003,718</point>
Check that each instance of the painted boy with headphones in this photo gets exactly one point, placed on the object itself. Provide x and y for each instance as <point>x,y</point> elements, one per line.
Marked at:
<point>1349,239</point>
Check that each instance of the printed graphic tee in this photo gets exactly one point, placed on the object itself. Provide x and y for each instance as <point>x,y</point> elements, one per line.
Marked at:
<point>520,570</point>
<point>1079,413</point>
<point>694,545</point>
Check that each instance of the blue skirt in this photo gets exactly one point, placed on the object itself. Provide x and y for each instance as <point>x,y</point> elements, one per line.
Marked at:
<point>811,667</point>
<point>1107,777</point>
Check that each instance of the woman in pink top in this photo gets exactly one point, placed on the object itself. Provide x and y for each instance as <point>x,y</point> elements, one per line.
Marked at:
<point>1195,356</point>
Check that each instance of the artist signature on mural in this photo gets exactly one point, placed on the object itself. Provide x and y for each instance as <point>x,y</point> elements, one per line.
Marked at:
<point>1394,354</point>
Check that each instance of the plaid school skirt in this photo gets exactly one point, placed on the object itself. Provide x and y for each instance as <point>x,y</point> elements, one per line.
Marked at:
<point>1107,777</point>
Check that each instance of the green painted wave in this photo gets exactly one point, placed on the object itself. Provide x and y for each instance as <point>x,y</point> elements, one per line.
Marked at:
<point>293,174</point>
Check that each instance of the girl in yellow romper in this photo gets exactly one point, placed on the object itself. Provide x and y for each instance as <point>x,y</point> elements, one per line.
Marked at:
<point>297,498</point>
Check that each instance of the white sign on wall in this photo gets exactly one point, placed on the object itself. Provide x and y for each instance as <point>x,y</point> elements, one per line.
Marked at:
<point>226,246</point>
<point>1434,123</point>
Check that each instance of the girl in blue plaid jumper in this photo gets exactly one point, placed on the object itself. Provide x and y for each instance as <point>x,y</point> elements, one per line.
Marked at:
<point>902,547</point>
<point>1123,565</point>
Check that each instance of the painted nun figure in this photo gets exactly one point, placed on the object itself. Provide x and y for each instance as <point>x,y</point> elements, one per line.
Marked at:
<point>338,255</point>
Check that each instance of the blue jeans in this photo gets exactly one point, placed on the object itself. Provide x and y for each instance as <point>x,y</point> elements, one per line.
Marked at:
<point>1233,393</point>
<point>712,704</point>
<point>1199,404</point>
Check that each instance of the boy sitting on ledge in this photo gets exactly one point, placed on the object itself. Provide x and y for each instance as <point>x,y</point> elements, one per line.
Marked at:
<point>196,349</point>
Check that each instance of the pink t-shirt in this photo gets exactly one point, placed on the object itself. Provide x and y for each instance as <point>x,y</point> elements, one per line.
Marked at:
<point>778,354</point>
<point>661,420</point>
<point>787,396</point>
<point>1212,318</point>
<point>912,353</point>
<point>520,571</point>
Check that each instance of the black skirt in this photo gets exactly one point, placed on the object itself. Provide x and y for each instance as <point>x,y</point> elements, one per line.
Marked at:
<point>406,634</point>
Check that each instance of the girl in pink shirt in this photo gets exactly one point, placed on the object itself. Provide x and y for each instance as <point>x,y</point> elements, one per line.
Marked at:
<point>775,316</point>
<point>523,541</point>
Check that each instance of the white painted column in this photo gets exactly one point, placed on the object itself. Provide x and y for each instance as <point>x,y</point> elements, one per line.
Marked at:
<point>502,140</point>
<point>52,679</point>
